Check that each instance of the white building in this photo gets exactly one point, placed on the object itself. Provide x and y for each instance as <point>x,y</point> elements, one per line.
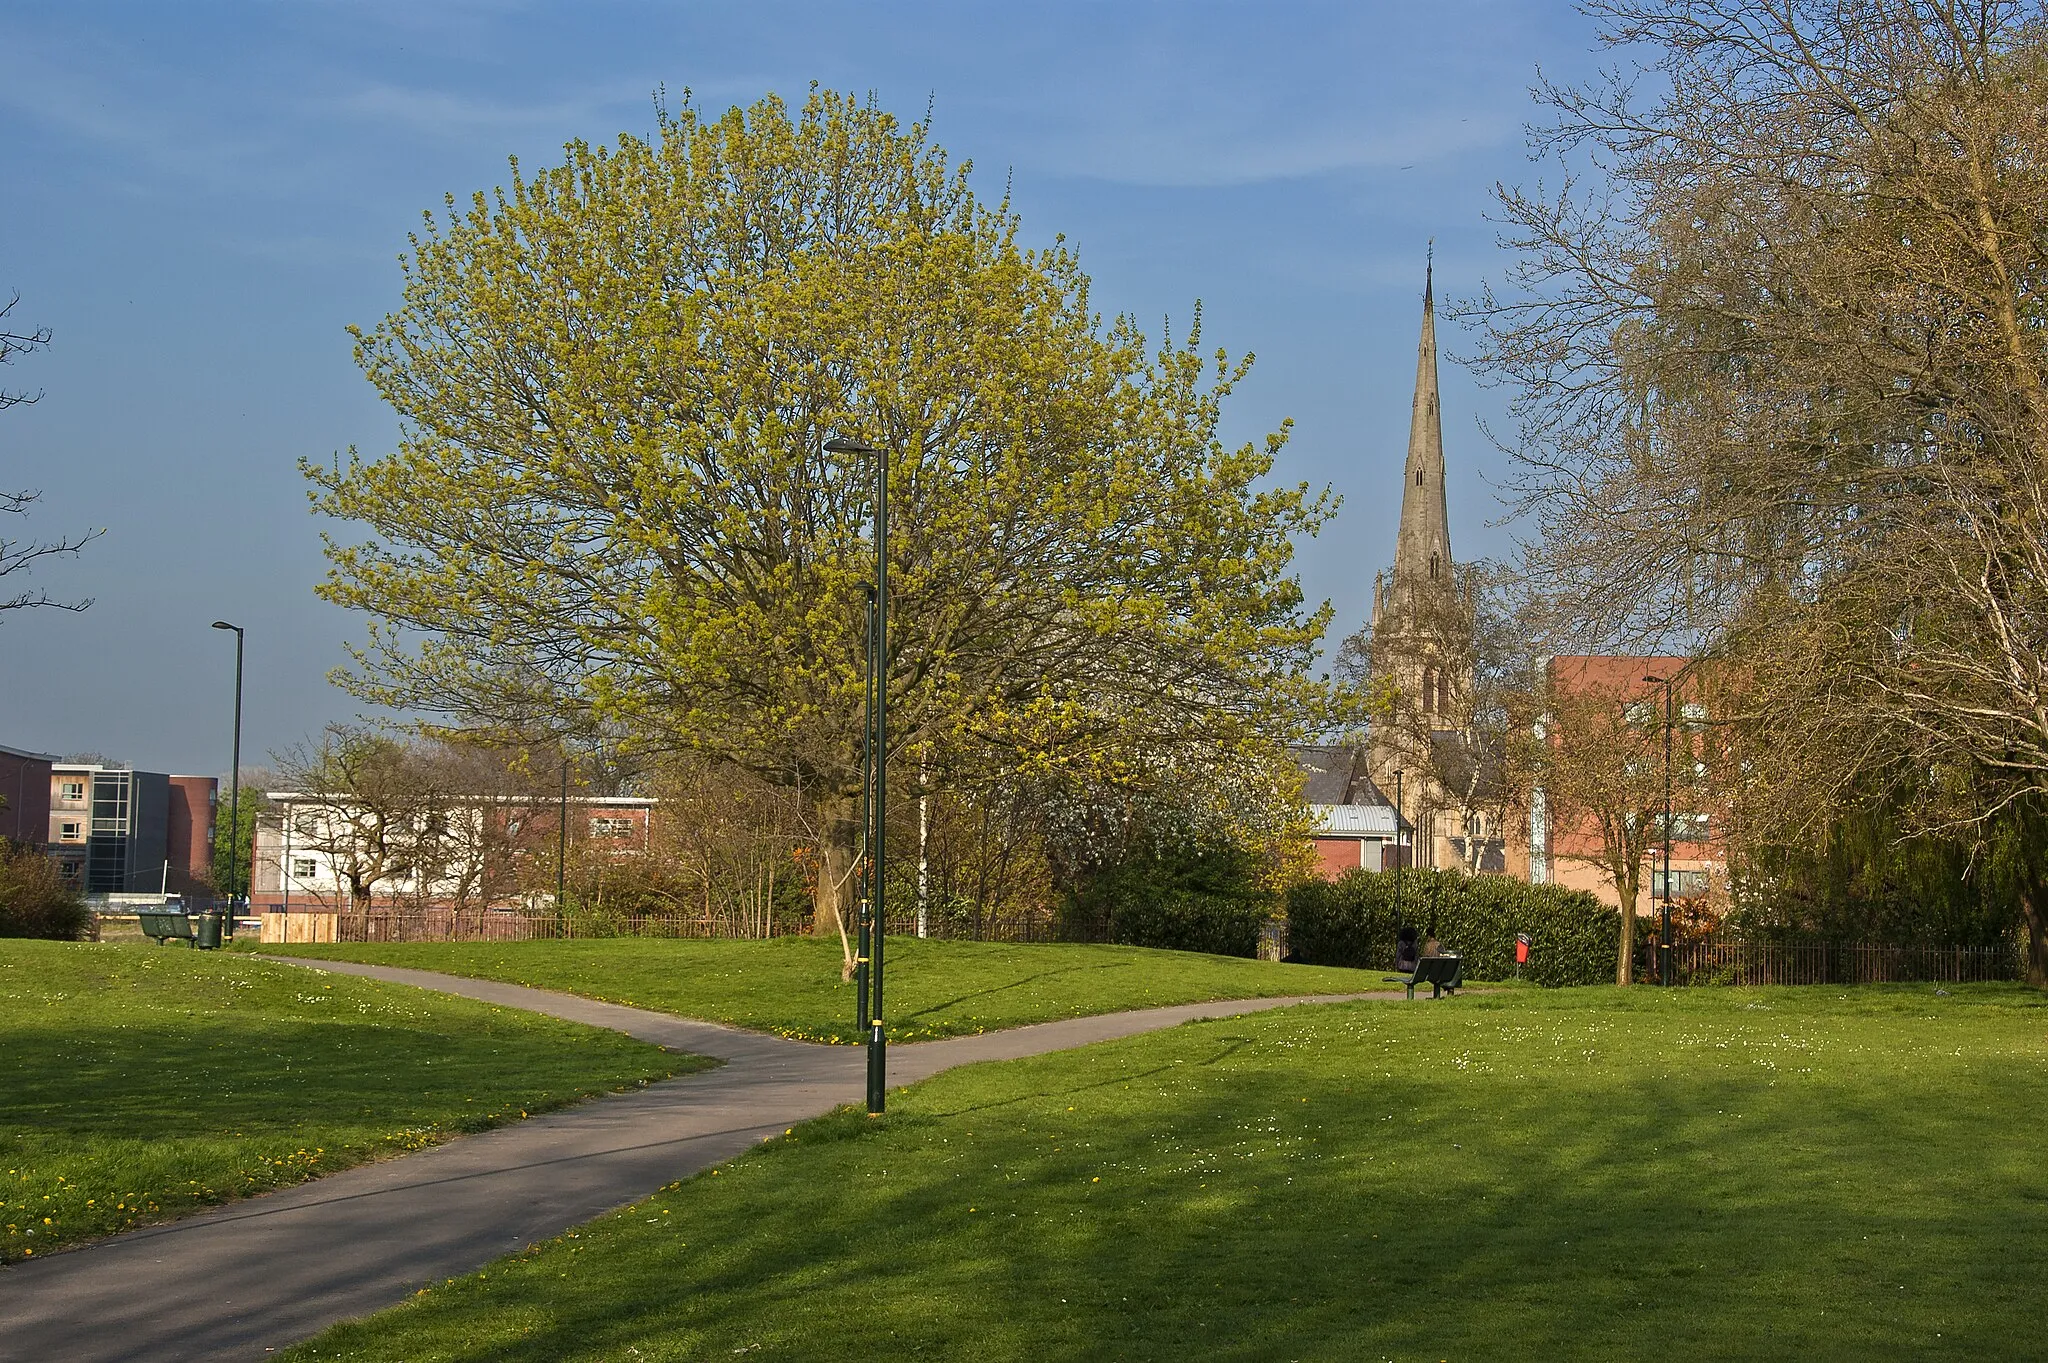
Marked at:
<point>314,851</point>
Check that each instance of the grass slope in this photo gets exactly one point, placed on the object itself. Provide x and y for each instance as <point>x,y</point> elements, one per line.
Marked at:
<point>790,985</point>
<point>1711,1174</point>
<point>138,1083</point>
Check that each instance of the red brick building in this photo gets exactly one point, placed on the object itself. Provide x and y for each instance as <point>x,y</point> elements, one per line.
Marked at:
<point>25,796</point>
<point>1564,854</point>
<point>115,830</point>
<point>189,832</point>
<point>1357,827</point>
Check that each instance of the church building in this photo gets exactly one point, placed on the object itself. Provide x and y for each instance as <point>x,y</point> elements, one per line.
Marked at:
<point>1422,758</point>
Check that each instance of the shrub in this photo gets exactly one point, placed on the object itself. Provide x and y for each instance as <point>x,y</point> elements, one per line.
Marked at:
<point>35,901</point>
<point>1208,901</point>
<point>1352,921</point>
<point>1188,920</point>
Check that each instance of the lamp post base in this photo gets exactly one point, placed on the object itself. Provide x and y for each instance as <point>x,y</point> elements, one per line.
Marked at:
<point>878,1068</point>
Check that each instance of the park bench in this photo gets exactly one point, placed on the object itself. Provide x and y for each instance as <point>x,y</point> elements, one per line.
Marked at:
<point>1443,974</point>
<point>167,927</point>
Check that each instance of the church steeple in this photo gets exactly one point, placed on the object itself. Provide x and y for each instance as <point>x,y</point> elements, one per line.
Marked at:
<point>1422,548</point>
<point>1420,644</point>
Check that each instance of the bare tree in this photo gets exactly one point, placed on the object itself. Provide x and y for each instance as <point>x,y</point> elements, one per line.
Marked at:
<point>14,343</point>
<point>1596,753</point>
<point>367,804</point>
<point>1782,384</point>
<point>475,808</point>
<point>19,556</point>
<point>726,844</point>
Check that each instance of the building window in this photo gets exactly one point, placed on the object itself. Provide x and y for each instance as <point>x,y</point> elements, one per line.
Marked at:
<point>302,867</point>
<point>1684,827</point>
<point>1418,477</point>
<point>603,827</point>
<point>71,790</point>
<point>70,830</point>
<point>1684,884</point>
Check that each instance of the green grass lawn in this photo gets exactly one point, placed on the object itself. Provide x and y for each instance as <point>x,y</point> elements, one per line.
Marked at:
<point>138,1083</point>
<point>791,985</point>
<point>1707,1174</point>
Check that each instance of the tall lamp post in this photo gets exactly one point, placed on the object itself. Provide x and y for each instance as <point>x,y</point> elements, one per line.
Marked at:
<point>864,912</point>
<point>234,790</point>
<point>1400,857</point>
<point>878,770</point>
<point>1664,946</point>
<point>562,854</point>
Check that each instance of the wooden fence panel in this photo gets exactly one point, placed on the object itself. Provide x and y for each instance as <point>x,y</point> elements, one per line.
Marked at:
<point>299,926</point>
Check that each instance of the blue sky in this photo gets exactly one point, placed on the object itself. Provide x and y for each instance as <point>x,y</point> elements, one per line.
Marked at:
<point>200,197</point>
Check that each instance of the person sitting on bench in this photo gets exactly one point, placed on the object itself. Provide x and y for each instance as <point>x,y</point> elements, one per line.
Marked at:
<point>1405,954</point>
<point>1431,948</point>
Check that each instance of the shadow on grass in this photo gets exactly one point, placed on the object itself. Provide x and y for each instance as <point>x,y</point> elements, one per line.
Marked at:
<point>1276,1197</point>
<point>222,1076</point>
<point>1013,984</point>
<point>1114,1081</point>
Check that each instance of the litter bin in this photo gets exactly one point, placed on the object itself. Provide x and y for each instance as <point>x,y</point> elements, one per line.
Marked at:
<point>209,932</point>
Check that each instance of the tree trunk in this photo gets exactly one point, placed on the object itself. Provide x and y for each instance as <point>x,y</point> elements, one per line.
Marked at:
<point>1625,958</point>
<point>2034,919</point>
<point>832,907</point>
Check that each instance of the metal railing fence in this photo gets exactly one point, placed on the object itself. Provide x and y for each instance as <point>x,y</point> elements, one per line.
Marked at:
<point>501,925</point>
<point>498,925</point>
<point>1734,962</point>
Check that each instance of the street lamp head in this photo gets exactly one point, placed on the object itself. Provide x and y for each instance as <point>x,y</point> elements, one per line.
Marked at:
<point>1654,681</point>
<point>222,624</point>
<point>839,444</point>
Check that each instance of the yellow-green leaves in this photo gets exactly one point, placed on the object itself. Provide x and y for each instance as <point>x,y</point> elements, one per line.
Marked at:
<point>616,378</point>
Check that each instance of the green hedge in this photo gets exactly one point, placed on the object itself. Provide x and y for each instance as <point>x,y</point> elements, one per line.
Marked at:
<point>1188,920</point>
<point>1209,899</point>
<point>1352,921</point>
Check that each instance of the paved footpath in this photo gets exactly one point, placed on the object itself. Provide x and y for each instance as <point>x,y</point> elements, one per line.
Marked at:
<point>254,1276</point>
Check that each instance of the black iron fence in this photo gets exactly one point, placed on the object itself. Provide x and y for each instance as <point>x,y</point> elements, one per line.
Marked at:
<point>510,925</point>
<point>1009,927</point>
<point>1730,962</point>
<point>500,925</point>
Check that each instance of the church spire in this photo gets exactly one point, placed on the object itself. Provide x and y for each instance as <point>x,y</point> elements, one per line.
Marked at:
<point>1422,549</point>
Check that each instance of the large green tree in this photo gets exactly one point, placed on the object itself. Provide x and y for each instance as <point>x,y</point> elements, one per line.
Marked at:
<point>612,504</point>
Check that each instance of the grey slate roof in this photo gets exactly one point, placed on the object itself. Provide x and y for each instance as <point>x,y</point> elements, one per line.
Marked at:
<point>1336,776</point>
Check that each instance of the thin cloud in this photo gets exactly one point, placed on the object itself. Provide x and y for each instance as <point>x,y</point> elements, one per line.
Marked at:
<point>122,111</point>
<point>1155,155</point>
